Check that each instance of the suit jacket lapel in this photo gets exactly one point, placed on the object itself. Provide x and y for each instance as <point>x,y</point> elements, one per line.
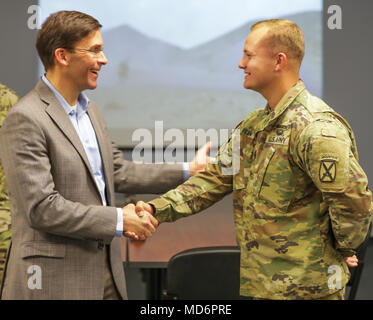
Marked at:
<point>105,151</point>
<point>61,119</point>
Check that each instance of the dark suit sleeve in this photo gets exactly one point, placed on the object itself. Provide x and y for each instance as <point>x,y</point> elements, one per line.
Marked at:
<point>27,164</point>
<point>137,178</point>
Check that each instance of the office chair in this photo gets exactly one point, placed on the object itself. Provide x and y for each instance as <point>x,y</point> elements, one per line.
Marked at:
<point>356,272</point>
<point>204,273</point>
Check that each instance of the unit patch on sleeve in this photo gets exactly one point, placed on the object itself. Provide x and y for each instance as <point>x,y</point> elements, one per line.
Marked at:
<point>328,171</point>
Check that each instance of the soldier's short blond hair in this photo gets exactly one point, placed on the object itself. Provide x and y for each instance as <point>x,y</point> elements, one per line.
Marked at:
<point>283,36</point>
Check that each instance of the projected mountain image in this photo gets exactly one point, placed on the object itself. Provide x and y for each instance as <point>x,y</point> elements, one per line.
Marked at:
<point>147,79</point>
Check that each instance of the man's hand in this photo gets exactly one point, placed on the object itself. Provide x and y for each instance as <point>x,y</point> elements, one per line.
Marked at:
<point>138,227</point>
<point>143,207</point>
<point>201,159</point>
<point>352,261</point>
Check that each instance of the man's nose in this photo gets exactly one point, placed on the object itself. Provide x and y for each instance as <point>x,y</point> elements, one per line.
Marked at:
<point>102,59</point>
<point>241,64</point>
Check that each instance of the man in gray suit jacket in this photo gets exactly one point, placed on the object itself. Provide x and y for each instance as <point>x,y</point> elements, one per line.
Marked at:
<point>62,171</point>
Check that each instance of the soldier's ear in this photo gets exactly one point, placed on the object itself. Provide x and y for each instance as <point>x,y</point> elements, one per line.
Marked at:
<point>61,56</point>
<point>281,61</point>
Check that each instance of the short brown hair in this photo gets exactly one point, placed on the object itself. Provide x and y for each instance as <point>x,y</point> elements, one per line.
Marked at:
<point>283,35</point>
<point>62,30</point>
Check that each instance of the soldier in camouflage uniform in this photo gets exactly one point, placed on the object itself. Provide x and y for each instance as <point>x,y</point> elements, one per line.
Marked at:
<point>7,99</point>
<point>301,203</point>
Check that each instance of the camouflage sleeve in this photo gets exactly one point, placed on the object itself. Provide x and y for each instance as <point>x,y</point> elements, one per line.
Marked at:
<point>200,191</point>
<point>324,152</point>
<point>7,99</point>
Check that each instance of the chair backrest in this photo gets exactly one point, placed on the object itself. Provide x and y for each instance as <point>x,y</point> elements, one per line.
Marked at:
<point>204,273</point>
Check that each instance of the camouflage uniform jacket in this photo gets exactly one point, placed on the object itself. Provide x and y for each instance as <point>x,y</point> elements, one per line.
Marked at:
<point>301,201</point>
<point>7,99</point>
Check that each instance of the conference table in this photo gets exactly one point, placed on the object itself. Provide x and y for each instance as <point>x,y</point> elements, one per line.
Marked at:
<point>210,228</point>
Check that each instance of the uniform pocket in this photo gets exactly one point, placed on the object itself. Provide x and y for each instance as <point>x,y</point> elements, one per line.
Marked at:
<point>276,183</point>
<point>42,249</point>
<point>261,168</point>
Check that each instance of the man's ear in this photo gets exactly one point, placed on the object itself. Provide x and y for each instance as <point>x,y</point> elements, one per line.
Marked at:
<point>281,61</point>
<point>62,57</point>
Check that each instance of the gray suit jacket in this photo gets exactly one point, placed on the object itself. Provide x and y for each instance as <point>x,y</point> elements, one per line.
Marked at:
<point>59,224</point>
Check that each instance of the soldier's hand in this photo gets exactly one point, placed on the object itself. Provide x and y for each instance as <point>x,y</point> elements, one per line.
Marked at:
<point>352,261</point>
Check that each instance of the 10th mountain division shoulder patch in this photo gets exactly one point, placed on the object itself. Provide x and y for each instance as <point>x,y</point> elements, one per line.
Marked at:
<point>328,171</point>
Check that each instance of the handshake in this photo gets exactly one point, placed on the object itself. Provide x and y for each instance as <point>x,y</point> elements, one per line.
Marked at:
<point>138,221</point>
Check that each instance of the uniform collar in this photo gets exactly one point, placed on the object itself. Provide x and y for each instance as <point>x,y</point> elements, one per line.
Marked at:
<point>285,101</point>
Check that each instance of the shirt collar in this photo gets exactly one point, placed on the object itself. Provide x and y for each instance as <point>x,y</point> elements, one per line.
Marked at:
<point>285,101</point>
<point>80,108</point>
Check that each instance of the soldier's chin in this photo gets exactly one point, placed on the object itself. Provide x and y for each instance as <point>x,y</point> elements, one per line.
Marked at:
<point>246,85</point>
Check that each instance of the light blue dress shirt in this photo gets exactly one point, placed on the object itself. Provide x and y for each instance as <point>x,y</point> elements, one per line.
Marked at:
<point>82,123</point>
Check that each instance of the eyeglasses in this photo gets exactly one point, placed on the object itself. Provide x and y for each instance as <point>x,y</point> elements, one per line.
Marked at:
<point>95,52</point>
